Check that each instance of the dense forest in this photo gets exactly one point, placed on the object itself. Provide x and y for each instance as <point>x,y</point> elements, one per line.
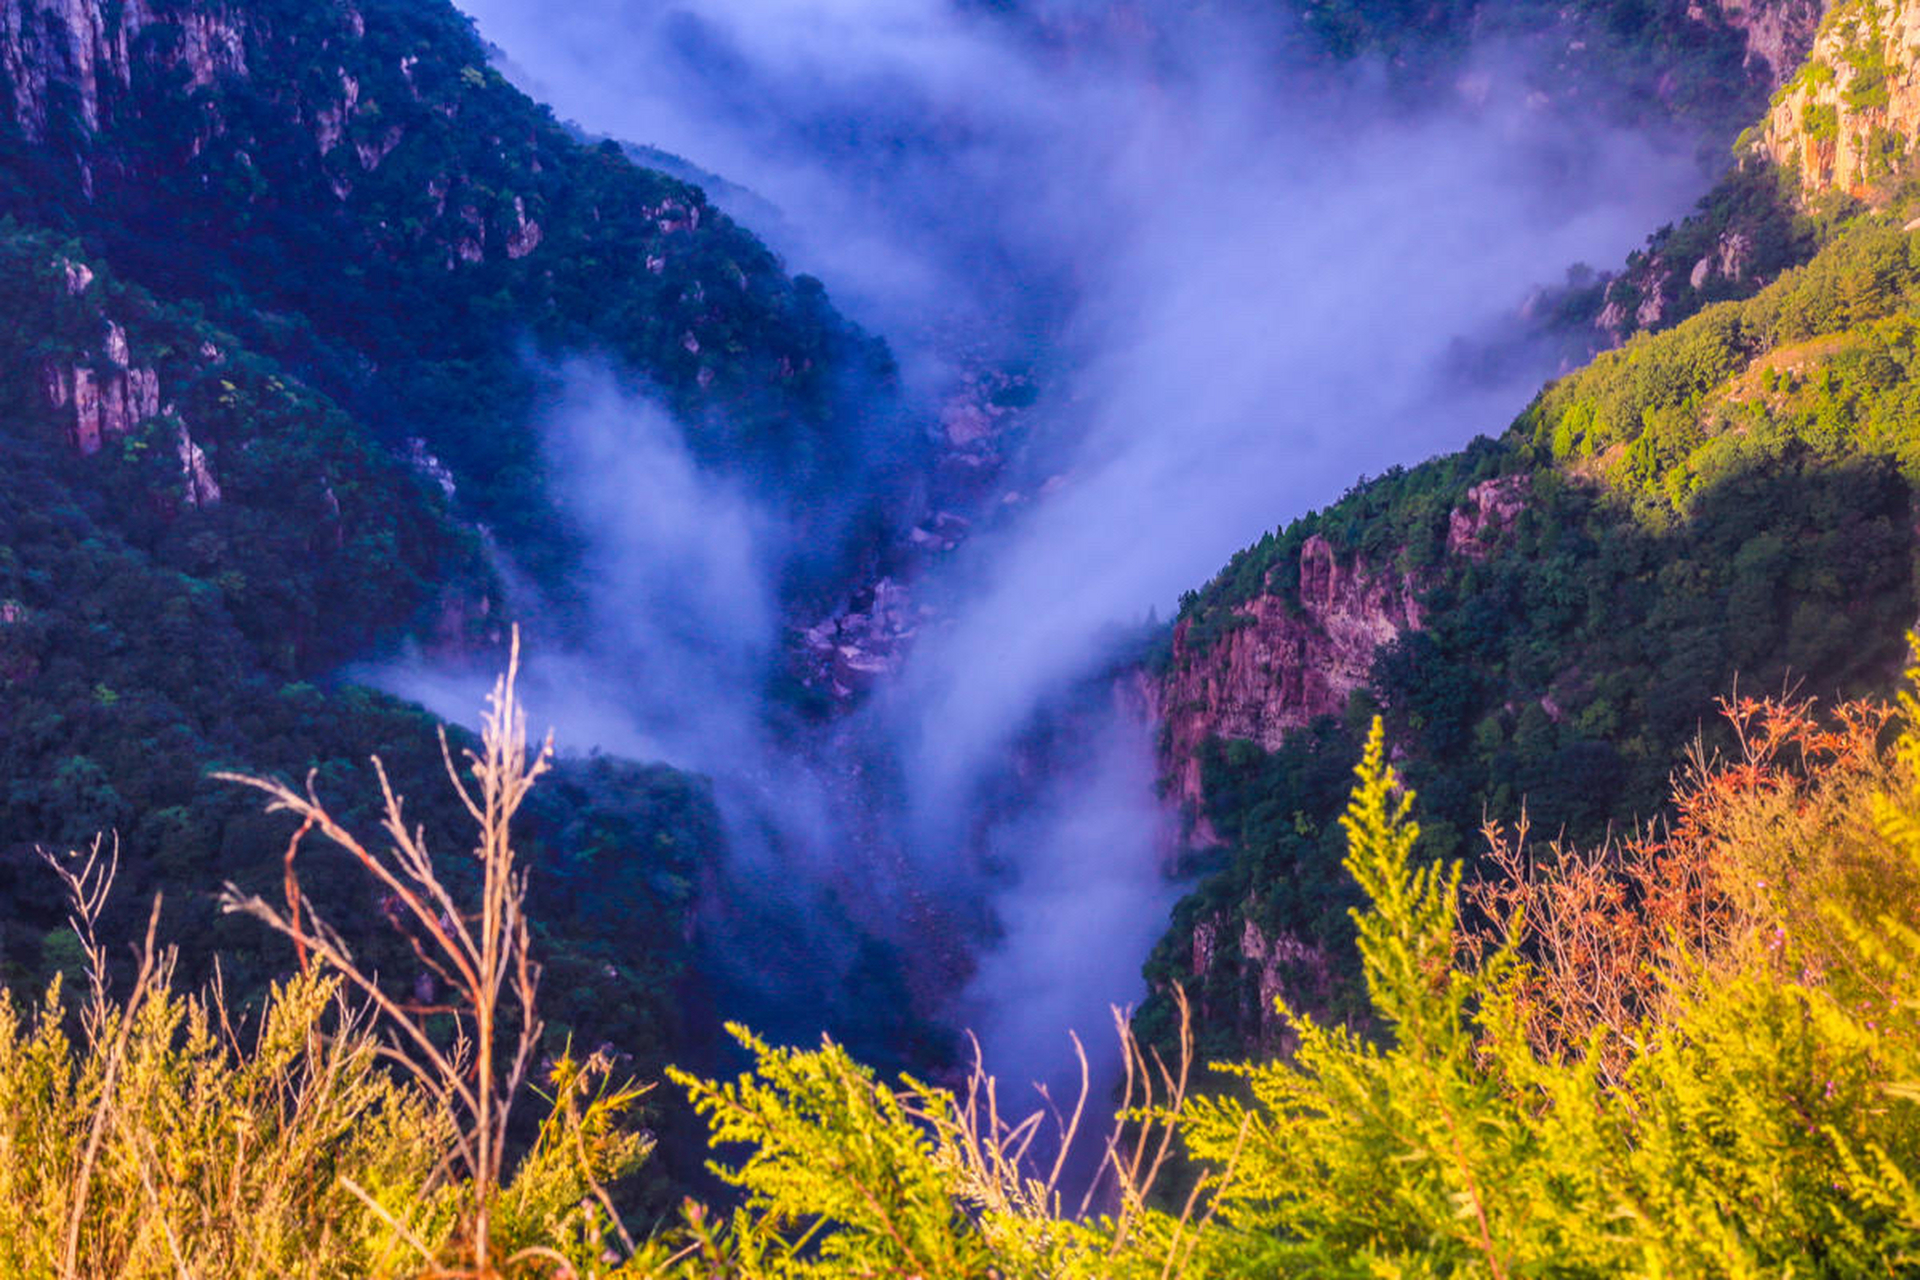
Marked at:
<point>1602,966</point>
<point>269,410</point>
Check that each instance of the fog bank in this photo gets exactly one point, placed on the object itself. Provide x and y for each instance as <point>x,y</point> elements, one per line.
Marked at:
<point>1243,286</point>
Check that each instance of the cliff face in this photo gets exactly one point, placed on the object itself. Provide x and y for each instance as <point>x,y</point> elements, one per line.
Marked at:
<point>69,54</point>
<point>81,76</point>
<point>1283,661</point>
<point>1778,33</point>
<point>50,45</point>
<point>1284,658</point>
<point>1260,969</point>
<point>1851,116</point>
<point>1740,236</point>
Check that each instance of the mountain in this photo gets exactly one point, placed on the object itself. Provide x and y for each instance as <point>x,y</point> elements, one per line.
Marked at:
<point>1721,506</point>
<point>353,192</point>
<point>289,288</point>
<point>285,284</point>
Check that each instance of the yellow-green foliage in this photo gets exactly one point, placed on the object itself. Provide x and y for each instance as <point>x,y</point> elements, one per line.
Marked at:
<point>338,1140</point>
<point>1753,1110</point>
<point>839,1178</point>
<point>1764,1120</point>
<point>1751,1133</point>
<point>165,1144</point>
<point>170,1149</point>
<point>1816,361</point>
<point>846,1176</point>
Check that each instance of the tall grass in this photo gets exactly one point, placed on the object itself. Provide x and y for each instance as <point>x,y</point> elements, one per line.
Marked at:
<point>1692,1054</point>
<point>346,1133</point>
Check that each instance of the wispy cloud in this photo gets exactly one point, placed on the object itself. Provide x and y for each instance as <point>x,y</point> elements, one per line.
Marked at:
<point>1244,282</point>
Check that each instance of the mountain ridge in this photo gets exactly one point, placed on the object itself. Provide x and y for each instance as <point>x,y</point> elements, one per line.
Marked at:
<point>1723,502</point>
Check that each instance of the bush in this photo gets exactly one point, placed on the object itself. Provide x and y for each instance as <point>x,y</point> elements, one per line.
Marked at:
<point>1744,1105</point>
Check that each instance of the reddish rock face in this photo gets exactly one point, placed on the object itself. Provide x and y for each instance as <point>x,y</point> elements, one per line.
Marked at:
<point>1284,667</point>
<point>1860,140</point>
<point>109,398</point>
<point>1490,510</point>
<point>1288,665</point>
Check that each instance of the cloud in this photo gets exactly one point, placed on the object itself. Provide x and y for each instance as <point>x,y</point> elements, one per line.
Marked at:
<point>1244,281</point>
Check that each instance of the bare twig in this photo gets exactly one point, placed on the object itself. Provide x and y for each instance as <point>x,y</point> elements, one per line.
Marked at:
<point>484,954</point>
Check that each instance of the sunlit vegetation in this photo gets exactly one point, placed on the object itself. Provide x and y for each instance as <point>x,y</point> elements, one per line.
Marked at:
<point>1692,1052</point>
<point>337,1127</point>
<point>1817,363</point>
<point>1724,503</point>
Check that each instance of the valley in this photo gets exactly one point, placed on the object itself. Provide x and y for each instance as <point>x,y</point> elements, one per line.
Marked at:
<point>968,477</point>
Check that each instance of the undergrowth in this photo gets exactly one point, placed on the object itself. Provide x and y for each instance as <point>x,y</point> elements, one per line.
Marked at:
<point>1689,1053</point>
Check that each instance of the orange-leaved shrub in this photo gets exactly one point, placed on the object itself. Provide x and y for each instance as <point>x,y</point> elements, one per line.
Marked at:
<point>1692,1053</point>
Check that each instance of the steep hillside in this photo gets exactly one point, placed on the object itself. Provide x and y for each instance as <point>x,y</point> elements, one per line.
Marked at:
<point>272,277</point>
<point>1546,620</point>
<point>351,189</point>
<point>185,530</point>
<point>1838,136</point>
<point>1847,120</point>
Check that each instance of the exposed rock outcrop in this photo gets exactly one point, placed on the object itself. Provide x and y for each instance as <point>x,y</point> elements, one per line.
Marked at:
<point>47,45</point>
<point>1489,511</point>
<point>1639,298</point>
<point>84,47</point>
<point>1272,969</point>
<point>1852,115</point>
<point>108,397</point>
<point>330,123</point>
<point>1778,32</point>
<point>849,652</point>
<point>198,487</point>
<point>526,235</point>
<point>1286,664</point>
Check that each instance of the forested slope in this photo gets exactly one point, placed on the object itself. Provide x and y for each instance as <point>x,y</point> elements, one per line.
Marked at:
<point>281,282</point>
<point>1548,619</point>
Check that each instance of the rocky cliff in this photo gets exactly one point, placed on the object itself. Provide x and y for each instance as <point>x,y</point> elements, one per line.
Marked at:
<point>1849,118</point>
<point>62,57</point>
<point>1742,234</point>
<point>1778,33</point>
<point>1283,659</point>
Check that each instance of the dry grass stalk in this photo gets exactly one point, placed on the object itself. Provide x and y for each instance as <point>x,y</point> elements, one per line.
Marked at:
<point>1000,1176</point>
<point>483,954</point>
<point>88,888</point>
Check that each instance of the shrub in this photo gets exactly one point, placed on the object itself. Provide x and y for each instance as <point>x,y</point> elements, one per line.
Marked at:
<point>164,1142</point>
<point>1533,1104</point>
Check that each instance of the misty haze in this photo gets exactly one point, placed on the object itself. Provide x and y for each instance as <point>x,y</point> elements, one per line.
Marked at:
<point>1190,252</point>
<point>955,638</point>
